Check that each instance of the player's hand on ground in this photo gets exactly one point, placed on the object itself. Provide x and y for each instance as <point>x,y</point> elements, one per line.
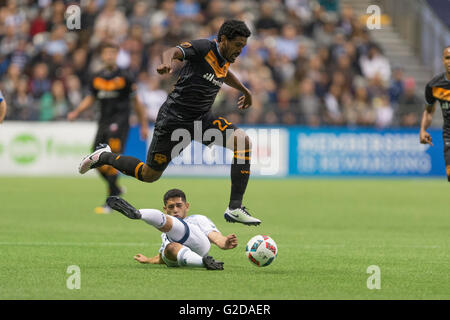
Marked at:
<point>164,68</point>
<point>141,258</point>
<point>231,241</point>
<point>245,101</point>
<point>425,138</point>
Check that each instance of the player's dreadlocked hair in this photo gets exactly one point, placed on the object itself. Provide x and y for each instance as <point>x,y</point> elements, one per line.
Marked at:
<point>174,193</point>
<point>232,29</point>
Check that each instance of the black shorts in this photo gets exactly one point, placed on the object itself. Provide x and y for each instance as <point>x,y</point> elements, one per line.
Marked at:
<point>115,135</point>
<point>168,142</point>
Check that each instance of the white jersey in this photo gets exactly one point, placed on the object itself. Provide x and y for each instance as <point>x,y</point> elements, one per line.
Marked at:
<point>197,229</point>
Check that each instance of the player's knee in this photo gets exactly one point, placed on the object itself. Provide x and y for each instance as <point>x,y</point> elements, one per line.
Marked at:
<point>171,250</point>
<point>150,175</point>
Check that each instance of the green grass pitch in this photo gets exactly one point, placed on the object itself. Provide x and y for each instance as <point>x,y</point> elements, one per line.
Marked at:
<point>328,233</point>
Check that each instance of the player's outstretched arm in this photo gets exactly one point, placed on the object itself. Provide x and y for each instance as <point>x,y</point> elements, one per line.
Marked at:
<point>223,242</point>
<point>85,104</point>
<point>166,60</point>
<point>246,100</point>
<point>427,118</point>
<point>2,110</point>
<point>153,260</point>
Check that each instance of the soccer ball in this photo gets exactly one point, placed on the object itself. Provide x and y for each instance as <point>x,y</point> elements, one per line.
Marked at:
<point>261,250</point>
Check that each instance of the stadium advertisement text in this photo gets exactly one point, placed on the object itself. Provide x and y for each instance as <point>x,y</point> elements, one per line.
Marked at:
<point>364,152</point>
<point>56,148</point>
<point>44,148</point>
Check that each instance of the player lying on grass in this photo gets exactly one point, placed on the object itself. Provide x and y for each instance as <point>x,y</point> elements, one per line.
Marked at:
<point>186,240</point>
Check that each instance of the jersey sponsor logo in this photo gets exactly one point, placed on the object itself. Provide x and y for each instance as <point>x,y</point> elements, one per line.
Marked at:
<point>210,77</point>
<point>107,94</point>
<point>221,72</point>
<point>441,93</point>
<point>186,44</point>
<point>445,105</point>
<point>113,84</point>
<point>160,158</point>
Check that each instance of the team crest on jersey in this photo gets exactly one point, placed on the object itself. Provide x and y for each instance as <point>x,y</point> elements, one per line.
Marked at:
<point>160,158</point>
<point>186,44</point>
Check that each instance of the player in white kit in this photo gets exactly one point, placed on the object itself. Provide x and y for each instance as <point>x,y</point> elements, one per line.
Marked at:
<point>186,239</point>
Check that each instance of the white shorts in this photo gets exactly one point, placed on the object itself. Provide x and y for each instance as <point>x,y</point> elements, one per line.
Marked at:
<point>194,238</point>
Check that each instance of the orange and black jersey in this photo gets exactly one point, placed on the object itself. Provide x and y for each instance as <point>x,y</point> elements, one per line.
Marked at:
<point>438,89</point>
<point>200,79</point>
<point>113,89</point>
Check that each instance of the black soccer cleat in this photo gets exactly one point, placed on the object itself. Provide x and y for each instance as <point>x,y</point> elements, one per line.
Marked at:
<point>119,204</point>
<point>212,264</point>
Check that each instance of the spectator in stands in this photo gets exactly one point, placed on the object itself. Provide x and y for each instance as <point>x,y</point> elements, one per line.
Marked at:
<point>57,44</point>
<point>152,96</point>
<point>383,111</point>
<point>266,25</point>
<point>110,25</point>
<point>22,104</point>
<point>54,105</point>
<point>11,81</point>
<point>309,104</point>
<point>396,87</point>
<point>74,93</point>
<point>333,112</point>
<point>302,59</point>
<point>140,15</point>
<point>40,83</point>
<point>375,63</point>
<point>409,108</point>
<point>329,5</point>
<point>287,43</point>
<point>358,110</point>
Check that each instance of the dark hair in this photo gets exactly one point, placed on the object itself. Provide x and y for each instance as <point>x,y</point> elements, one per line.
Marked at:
<point>174,193</point>
<point>232,29</point>
<point>108,45</point>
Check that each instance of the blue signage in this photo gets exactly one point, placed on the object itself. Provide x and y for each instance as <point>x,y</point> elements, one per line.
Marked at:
<point>364,152</point>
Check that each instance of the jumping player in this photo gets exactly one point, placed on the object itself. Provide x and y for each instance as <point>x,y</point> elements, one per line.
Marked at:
<point>438,89</point>
<point>186,240</point>
<point>188,107</point>
<point>114,89</point>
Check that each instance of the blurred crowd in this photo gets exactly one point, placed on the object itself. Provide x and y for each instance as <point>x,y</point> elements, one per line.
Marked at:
<point>308,62</point>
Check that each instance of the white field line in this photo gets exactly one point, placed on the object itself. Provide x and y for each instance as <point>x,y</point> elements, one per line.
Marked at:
<point>81,244</point>
<point>139,244</point>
